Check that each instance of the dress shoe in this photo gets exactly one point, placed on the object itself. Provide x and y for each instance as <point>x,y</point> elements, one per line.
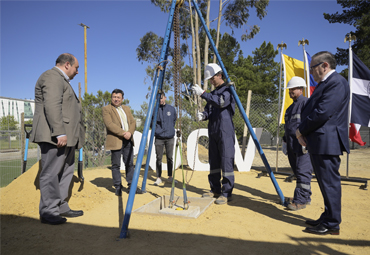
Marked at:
<point>118,192</point>
<point>138,191</point>
<point>313,222</point>
<point>53,220</point>
<point>322,230</point>
<point>72,213</point>
<point>296,207</point>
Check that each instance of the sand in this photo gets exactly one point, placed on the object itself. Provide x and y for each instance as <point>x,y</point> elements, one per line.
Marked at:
<point>253,223</point>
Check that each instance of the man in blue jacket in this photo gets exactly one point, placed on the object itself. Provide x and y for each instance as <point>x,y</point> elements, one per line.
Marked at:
<point>299,160</point>
<point>219,110</point>
<point>164,137</point>
<point>324,130</point>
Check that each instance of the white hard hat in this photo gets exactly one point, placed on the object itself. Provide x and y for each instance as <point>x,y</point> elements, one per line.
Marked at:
<point>296,82</point>
<point>211,70</point>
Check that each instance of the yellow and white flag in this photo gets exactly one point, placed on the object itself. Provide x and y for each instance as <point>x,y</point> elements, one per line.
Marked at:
<point>292,67</point>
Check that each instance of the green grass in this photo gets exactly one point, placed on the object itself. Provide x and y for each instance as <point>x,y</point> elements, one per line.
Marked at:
<point>11,169</point>
<point>14,145</point>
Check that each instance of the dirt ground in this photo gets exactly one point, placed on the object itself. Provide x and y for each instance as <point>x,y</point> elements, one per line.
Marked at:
<point>253,223</point>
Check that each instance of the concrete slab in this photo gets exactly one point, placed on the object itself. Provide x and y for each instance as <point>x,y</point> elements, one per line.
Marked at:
<point>160,206</point>
<point>191,212</point>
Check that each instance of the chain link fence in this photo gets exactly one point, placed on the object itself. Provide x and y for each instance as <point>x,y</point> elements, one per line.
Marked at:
<point>263,116</point>
<point>12,155</point>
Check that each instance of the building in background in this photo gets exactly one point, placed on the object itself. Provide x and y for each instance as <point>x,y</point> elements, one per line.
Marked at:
<point>15,107</point>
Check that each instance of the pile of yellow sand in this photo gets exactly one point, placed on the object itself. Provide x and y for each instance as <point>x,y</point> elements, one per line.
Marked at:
<point>22,196</point>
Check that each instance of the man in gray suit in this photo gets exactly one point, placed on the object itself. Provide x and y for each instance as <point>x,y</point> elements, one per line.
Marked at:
<point>58,130</point>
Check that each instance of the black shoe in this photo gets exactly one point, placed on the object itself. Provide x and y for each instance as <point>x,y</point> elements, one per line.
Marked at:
<point>138,191</point>
<point>118,192</point>
<point>53,220</point>
<point>322,230</point>
<point>72,213</point>
<point>313,222</point>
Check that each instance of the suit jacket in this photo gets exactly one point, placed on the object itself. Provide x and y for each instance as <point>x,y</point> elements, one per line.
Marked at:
<point>57,111</point>
<point>113,124</point>
<point>325,117</point>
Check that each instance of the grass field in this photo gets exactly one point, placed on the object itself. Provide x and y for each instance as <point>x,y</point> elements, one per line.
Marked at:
<point>14,145</point>
<point>11,169</point>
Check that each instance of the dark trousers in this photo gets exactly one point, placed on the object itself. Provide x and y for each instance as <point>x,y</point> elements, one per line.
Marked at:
<point>127,152</point>
<point>55,178</point>
<point>326,169</point>
<point>221,153</point>
<point>302,169</point>
<point>160,144</point>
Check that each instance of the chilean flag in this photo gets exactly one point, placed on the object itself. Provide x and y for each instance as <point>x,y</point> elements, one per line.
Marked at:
<point>311,83</point>
<point>360,114</point>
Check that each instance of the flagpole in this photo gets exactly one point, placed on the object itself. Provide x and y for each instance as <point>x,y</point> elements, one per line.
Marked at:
<point>280,46</point>
<point>349,38</point>
<point>304,42</point>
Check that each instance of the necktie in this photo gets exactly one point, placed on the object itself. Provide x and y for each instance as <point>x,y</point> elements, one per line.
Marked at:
<point>123,118</point>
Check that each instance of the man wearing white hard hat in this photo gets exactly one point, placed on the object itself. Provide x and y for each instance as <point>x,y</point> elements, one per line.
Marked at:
<point>299,160</point>
<point>219,111</point>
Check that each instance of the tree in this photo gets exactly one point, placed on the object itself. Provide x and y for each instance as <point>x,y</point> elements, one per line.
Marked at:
<point>141,114</point>
<point>8,123</point>
<point>236,15</point>
<point>356,13</point>
<point>149,49</point>
<point>29,122</point>
<point>259,73</point>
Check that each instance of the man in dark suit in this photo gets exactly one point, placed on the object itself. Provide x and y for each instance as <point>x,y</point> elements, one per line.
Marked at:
<point>58,130</point>
<point>120,126</point>
<point>324,130</point>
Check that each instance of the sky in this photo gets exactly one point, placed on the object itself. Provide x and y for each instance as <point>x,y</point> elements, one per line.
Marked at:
<point>35,33</point>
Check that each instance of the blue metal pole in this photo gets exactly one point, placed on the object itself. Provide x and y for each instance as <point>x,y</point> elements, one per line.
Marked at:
<point>26,150</point>
<point>28,133</point>
<point>80,166</point>
<point>25,156</point>
<point>130,200</point>
<point>143,185</point>
<point>241,109</point>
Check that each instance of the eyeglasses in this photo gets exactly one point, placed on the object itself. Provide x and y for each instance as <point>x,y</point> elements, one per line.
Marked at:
<point>312,67</point>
